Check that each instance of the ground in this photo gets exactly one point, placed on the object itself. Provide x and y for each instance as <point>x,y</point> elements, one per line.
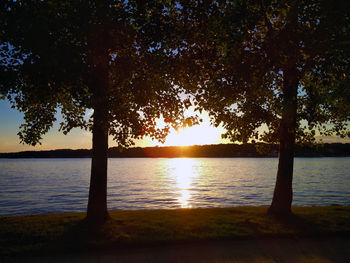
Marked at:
<point>237,234</point>
<point>317,250</point>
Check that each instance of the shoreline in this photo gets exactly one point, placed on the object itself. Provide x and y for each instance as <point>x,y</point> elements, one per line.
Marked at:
<point>83,211</point>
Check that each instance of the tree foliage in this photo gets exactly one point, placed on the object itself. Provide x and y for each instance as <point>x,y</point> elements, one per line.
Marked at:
<point>241,51</point>
<point>50,50</point>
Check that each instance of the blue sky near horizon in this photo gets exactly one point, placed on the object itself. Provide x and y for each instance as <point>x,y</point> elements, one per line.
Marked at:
<point>11,119</point>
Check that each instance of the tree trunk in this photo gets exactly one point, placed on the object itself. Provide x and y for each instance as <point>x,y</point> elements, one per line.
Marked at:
<point>98,59</point>
<point>283,193</point>
<point>97,204</point>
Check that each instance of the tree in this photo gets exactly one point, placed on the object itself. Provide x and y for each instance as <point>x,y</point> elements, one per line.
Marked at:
<point>109,56</point>
<point>272,71</point>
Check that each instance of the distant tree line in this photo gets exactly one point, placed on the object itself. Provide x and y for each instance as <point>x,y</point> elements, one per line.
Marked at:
<point>217,150</point>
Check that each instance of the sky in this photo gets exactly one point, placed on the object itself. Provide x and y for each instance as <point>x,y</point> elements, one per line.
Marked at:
<point>11,119</point>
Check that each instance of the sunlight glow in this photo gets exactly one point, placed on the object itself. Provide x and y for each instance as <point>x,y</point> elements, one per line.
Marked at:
<point>195,135</point>
<point>201,134</point>
<point>183,172</point>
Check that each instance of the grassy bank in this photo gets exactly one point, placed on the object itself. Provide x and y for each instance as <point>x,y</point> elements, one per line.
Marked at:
<point>66,232</point>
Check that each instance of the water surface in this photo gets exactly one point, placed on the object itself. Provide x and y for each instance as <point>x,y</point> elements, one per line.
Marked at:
<point>32,186</point>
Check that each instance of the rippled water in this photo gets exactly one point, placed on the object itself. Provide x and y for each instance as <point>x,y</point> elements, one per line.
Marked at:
<point>31,186</point>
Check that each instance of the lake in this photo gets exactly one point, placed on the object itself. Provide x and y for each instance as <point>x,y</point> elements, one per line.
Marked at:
<point>36,186</point>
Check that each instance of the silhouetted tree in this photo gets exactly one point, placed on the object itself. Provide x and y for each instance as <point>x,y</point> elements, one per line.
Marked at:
<point>108,56</point>
<point>271,71</point>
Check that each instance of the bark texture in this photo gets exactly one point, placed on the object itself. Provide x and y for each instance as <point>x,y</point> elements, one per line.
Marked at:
<point>283,193</point>
<point>97,204</point>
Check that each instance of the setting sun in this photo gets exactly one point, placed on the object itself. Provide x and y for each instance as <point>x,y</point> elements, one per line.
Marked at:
<point>195,135</point>
<point>201,134</point>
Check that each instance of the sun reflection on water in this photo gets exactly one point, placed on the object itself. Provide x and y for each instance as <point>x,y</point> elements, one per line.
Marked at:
<point>183,171</point>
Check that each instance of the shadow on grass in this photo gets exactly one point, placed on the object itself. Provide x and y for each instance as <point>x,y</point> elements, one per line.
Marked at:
<point>317,221</point>
<point>69,233</point>
<point>298,225</point>
<point>83,236</point>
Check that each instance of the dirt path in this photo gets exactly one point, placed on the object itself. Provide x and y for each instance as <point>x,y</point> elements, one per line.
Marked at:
<point>268,250</point>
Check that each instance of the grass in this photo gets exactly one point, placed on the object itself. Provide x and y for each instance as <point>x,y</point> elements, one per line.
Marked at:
<point>54,233</point>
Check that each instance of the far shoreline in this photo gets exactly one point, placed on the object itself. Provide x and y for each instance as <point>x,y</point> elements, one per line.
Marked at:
<point>249,150</point>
